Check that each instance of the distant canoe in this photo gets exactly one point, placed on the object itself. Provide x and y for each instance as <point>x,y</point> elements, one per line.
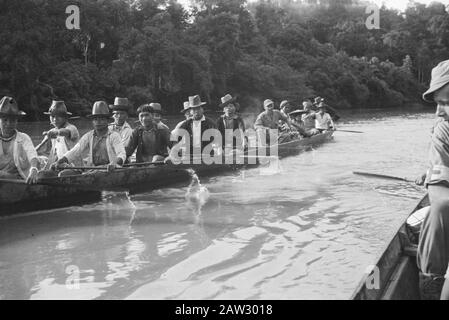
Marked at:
<point>397,269</point>
<point>16,195</point>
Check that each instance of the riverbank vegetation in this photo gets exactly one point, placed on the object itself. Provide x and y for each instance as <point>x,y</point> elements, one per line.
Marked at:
<point>160,50</point>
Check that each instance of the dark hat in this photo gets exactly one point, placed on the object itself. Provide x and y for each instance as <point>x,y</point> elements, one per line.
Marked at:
<point>9,108</point>
<point>186,107</point>
<point>227,99</point>
<point>440,77</point>
<point>156,107</point>
<point>120,104</point>
<point>195,101</point>
<point>58,108</point>
<point>100,110</point>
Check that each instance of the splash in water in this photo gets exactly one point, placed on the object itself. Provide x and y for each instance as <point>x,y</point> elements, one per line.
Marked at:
<point>196,193</point>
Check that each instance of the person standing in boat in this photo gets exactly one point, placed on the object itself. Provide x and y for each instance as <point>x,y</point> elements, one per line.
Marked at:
<point>194,128</point>
<point>62,137</point>
<point>150,141</point>
<point>120,113</point>
<point>102,145</point>
<point>18,158</point>
<point>433,246</point>
<point>323,120</point>
<point>232,123</point>
<point>269,120</point>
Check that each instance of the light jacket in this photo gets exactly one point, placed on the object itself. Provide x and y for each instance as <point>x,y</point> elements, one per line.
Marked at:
<point>125,131</point>
<point>23,153</point>
<point>83,148</point>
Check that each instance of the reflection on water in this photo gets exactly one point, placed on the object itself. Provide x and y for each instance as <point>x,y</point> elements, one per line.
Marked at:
<point>307,232</point>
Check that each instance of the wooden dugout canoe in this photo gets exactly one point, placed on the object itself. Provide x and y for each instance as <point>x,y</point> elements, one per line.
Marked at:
<point>398,272</point>
<point>16,195</point>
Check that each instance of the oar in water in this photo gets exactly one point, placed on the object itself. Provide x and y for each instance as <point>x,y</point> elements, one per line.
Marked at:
<point>351,131</point>
<point>382,176</point>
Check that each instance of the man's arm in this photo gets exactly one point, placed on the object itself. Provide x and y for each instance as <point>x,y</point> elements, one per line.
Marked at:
<point>119,149</point>
<point>259,123</point>
<point>132,143</point>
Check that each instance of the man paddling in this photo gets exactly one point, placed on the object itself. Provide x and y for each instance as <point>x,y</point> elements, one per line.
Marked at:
<point>433,246</point>
<point>62,137</point>
<point>102,146</point>
<point>232,124</point>
<point>18,158</point>
<point>120,110</point>
<point>150,141</point>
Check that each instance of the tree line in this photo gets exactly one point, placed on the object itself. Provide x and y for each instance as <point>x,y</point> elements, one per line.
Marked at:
<point>160,50</point>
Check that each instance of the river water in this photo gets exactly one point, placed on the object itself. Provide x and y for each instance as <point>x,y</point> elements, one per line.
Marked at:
<point>307,232</point>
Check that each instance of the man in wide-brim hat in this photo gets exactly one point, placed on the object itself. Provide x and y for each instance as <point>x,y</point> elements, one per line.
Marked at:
<point>62,137</point>
<point>195,127</point>
<point>229,122</point>
<point>18,158</point>
<point>433,246</point>
<point>102,146</point>
<point>120,112</point>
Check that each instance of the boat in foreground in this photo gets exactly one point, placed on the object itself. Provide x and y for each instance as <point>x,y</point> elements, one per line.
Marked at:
<point>397,272</point>
<point>17,196</point>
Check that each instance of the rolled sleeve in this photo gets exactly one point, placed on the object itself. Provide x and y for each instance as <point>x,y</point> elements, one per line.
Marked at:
<point>78,150</point>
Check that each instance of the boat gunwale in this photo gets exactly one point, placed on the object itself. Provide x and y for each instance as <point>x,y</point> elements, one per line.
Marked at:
<point>361,287</point>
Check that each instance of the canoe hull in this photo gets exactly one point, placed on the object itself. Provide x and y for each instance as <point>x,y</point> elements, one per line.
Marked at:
<point>397,269</point>
<point>15,196</point>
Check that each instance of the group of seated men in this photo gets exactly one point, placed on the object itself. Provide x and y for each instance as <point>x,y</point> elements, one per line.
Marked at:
<point>111,145</point>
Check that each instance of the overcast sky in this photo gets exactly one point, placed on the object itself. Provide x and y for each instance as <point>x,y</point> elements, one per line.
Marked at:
<point>396,4</point>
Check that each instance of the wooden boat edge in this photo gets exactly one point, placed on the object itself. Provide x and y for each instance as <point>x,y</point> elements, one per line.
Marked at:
<point>394,250</point>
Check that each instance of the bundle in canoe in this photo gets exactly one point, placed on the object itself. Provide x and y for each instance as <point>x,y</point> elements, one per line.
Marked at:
<point>397,269</point>
<point>53,192</point>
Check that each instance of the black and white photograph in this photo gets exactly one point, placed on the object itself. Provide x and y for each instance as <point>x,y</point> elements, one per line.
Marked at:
<point>224,155</point>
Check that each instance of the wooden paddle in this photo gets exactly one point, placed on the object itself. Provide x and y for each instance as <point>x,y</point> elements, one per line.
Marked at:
<point>351,131</point>
<point>382,176</point>
<point>42,143</point>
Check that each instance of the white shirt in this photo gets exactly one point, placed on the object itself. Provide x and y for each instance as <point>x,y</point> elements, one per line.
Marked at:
<point>323,122</point>
<point>196,131</point>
